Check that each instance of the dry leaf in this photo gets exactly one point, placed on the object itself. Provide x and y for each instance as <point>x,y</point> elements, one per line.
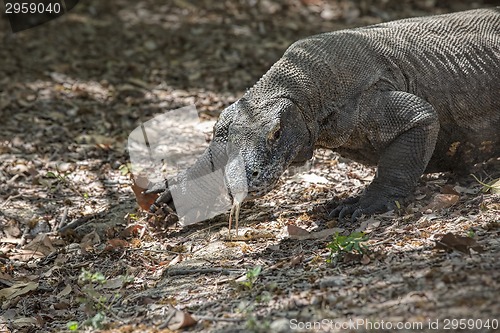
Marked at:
<point>115,283</point>
<point>462,244</point>
<point>294,231</point>
<point>313,179</point>
<point>143,200</point>
<point>179,319</point>
<point>365,260</point>
<point>256,235</point>
<point>441,201</point>
<point>66,291</point>
<point>449,189</point>
<point>89,240</point>
<point>132,230</point>
<point>25,255</point>
<point>297,234</point>
<point>12,230</point>
<point>41,243</point>
<point>352,257</point>
<point>18,289</point>
<point>24,321</point>
<point>6,279</point>
<point>61,306</point>
<point>367,226</point>
<point>116,243</point>
<point>297,260</point>
<point>176,260</point>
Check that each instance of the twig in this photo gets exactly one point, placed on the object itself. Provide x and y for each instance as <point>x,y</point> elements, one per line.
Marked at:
<point>167,321</point>
<point>187,271</point>
<point>9,199</point>
<point>26,231</point>
<point>145,249</point>
<point>79,221</point>
<point>231,320</point>
<point>63,218</point>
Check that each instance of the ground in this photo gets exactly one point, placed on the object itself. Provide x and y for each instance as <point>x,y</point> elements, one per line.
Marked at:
<point>76,251</point>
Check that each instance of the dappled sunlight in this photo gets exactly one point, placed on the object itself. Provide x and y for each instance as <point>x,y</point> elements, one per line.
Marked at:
<point>80,250</point>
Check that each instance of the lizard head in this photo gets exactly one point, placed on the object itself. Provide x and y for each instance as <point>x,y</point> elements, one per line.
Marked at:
<point>267,136</point>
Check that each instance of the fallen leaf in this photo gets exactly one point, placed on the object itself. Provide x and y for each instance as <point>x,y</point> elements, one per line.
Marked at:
<point>41,243</point>
<point>178,319</point>
<point>18,289</point>
<point>89,240</point>
<point>116,243</point>
<point>352,258</point>
<point>441,201</point>
<point>367,226</point>
<point>300,235</point>
<point>462,244</point>
<point>294,231</point>
<point>116,282</point>
<point>143,200</point>
<point>313,179</point>
<point>24,321</point>
<point>132,230</point>
<point>6,279</point>
<point>25,255</point>
<point>61,306</point>
<point>297,260</point>
<point>465,190</point>
<point>365,260</point>
<point>12,230</point>
<point>449,189</point>
<point>66,291</point>
<point>176,260</point>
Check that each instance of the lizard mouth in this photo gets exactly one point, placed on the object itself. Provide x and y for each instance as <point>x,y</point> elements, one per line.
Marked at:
<point>260,191</point>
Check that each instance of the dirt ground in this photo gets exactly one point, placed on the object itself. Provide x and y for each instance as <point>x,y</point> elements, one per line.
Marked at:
<point>77,253</point>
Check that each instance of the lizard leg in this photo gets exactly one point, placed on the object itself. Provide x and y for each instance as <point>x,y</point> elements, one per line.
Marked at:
<point>406,137</point>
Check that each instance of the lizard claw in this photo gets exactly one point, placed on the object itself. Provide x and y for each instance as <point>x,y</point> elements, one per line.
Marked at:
<point>365,205</point>
<point>164,198</point>
<point>347,207</point>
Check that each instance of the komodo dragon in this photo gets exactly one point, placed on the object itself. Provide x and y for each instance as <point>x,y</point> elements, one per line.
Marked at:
<point>410,96</point>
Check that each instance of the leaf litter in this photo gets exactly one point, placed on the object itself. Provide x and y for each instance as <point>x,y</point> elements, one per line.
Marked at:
<point>67,105</point>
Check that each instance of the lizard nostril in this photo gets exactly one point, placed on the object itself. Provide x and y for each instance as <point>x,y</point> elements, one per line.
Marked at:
<point>255,174</point>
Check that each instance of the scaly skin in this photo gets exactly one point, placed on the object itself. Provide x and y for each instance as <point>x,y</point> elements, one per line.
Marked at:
<point>410,96</point>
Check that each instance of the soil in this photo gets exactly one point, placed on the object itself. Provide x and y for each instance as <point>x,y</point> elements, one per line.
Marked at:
<point>77,252</point>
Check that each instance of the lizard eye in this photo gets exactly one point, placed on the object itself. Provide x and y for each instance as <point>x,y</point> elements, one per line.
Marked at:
<point>277,135</point>
<point>274,135</point>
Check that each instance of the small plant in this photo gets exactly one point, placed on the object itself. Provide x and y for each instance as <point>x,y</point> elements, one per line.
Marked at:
<point>492,187</point>
<point>348,244</point>
<point>251,277</point>
<point>72,325</point>
<point>125,169</point>
<point>97,299</point>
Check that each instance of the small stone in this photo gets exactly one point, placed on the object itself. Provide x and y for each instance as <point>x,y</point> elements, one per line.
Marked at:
<point>150,45</point>
<point>336,281</point>
<point>281,325</point>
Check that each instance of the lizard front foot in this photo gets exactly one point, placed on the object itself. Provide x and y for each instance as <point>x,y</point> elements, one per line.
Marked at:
<point>165,198</point>
<point>363,205</point>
